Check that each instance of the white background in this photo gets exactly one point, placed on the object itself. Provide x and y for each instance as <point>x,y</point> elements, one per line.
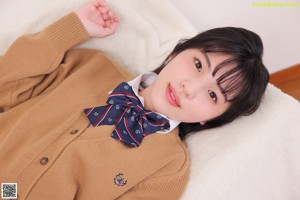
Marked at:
<point>279,28</point>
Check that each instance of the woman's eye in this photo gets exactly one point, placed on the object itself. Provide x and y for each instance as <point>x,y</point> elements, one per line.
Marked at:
<point>213,95</point>
<point>198,65</point>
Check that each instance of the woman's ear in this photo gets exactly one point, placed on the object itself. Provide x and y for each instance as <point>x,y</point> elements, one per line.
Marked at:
<point>202,123</point>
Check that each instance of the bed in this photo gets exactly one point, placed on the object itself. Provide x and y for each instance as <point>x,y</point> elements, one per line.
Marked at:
<point>255,157</point>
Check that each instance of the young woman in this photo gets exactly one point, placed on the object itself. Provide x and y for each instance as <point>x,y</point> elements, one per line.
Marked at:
<point>56,102</point>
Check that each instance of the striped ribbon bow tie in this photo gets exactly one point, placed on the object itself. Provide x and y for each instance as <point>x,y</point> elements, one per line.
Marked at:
<point>125,110</point>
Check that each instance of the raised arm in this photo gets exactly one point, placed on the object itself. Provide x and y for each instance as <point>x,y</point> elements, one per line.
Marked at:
<point>31,59</point>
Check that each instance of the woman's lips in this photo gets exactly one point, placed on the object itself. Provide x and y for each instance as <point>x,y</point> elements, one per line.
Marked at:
<point>172,97</point>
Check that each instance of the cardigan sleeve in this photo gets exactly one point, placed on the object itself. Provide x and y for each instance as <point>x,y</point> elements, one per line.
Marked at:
<point>31,59</point>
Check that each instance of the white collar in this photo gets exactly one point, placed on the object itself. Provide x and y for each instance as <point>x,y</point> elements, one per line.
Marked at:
<point>141,82</point>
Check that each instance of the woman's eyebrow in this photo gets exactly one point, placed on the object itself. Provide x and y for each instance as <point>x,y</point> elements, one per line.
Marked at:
<point>209,69</point>
<point>223,93</point>
<point>207,60</point>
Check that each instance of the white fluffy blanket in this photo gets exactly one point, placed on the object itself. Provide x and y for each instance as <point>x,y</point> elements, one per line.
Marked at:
<point>255,157</point>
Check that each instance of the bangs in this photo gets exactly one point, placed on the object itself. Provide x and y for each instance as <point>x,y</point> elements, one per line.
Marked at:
<point>233,81</point>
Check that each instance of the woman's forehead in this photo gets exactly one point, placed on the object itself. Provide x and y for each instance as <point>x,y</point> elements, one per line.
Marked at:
<point>227,74</point>
<point>216,62</point>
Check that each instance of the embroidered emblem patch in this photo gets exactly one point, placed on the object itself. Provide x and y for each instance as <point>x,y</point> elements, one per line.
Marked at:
<point>120,180</point>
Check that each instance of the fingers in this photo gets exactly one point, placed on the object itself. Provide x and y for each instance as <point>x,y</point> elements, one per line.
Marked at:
<point>109,20</point>
<point>102,2</point>
<point>109,16</point>
<point>105,11</point>
<point>110,29</point>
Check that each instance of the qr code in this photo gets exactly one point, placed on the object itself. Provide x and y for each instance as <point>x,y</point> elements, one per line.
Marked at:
<point>9,190</point>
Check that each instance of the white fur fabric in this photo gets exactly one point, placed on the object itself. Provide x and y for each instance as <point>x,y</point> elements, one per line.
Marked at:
<point>255,157</point>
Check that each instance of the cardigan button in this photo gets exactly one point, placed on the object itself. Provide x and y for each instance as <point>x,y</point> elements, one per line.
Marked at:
<point>74,132</point>
<point>44,161</point>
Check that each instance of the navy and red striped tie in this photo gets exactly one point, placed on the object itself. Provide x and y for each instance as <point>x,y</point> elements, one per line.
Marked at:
<point>126,111</point>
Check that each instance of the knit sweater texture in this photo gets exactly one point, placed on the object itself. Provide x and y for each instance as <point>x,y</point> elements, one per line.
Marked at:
<point>46,146</point>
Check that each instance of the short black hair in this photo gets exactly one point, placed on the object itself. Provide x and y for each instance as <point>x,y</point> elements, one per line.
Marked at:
<point>247,80</point>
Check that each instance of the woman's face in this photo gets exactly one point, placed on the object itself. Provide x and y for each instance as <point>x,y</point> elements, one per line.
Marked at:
<point>185,89</point>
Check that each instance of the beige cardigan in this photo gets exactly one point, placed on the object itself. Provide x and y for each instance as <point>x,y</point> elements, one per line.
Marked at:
<point>45,145</point>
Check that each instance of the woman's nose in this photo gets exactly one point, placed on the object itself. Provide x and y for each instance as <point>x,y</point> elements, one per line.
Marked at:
<point>188,89</point>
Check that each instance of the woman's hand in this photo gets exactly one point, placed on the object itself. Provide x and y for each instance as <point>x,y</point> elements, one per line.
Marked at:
<point>98,19</point>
